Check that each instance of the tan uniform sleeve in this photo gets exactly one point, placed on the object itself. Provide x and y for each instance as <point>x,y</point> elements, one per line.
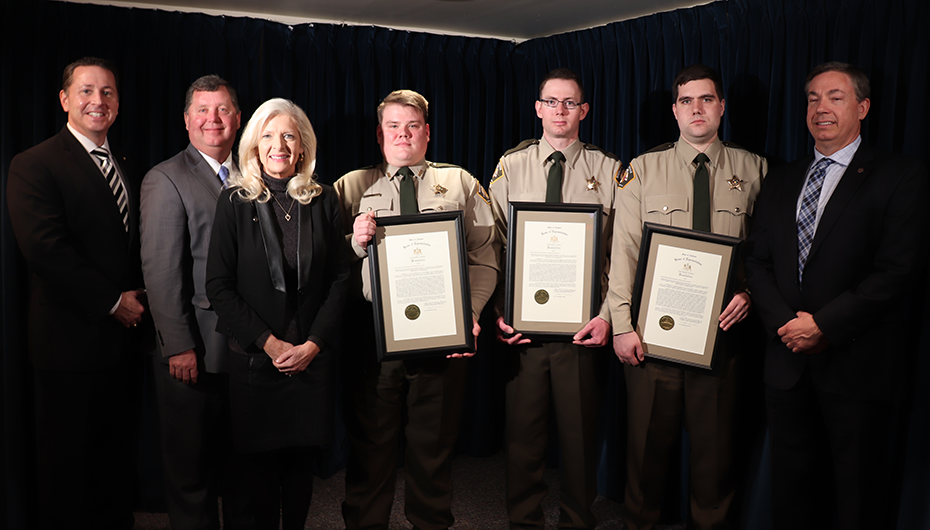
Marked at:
<point>628,231</point>
<point>482,243</point>
<point>500,200</point>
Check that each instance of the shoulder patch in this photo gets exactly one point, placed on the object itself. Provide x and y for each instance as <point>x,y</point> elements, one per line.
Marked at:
<point>608,154</point>
<point>625,177</point>
<point>483,193</point>
<point>522,145</point>
<point>498,173</point>
<point>660,148</point>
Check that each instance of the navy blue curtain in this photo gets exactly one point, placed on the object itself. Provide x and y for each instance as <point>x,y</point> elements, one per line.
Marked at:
<point>481,93</point>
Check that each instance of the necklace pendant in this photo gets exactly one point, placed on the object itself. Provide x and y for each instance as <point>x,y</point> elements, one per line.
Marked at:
<point>287,216</point>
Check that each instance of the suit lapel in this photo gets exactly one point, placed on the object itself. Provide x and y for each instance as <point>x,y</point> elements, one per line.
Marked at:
<point>795,185</point>
<point>96,182</point>
<point>849,184</point>
<point>273,251</point>
<point>203,173</point>
<point>304,244</point>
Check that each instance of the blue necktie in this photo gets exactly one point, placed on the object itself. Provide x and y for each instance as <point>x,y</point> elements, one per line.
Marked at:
<point>807,217</point>
<point>224,175</point>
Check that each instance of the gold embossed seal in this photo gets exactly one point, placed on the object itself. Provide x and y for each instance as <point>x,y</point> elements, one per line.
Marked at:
<point>412,312</point>
<point>541,296</point>
<point>666,322</point>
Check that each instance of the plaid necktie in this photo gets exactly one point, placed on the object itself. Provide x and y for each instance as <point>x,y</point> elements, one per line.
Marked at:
<point>116,185</point>
<point>224,175</point>
<point>807,217</point>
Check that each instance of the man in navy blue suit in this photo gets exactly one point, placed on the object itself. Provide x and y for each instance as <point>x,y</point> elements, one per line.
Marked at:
<point>838,245</point>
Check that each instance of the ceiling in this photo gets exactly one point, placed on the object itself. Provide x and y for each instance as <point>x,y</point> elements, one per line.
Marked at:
<point>505,19</point>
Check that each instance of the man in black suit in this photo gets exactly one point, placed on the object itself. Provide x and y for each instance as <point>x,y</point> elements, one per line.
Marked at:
<point>178,203</point>
<point>838,245</point>
<point>74,214</point>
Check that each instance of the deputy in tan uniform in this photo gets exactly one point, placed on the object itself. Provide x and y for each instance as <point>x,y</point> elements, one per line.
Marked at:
<point>431,390</point>
<point>562,373</point>
<point>660,186</point>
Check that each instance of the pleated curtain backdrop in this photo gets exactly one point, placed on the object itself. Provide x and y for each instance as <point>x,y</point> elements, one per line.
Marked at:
<point>481,94</point>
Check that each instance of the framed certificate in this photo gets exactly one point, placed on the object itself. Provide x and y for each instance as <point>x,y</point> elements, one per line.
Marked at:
<point>683,282</point>
<point>419,286</point>
<point>552,287</point>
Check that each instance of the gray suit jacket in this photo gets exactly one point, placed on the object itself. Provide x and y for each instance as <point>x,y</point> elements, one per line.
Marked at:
<point>178,203</point>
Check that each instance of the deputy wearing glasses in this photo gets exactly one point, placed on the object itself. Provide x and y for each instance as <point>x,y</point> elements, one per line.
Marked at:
<point>557,168</point>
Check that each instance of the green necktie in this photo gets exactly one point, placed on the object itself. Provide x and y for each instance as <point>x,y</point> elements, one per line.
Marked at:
<point>554,183</point>
<point>408,192</point>
<point>700,215</point>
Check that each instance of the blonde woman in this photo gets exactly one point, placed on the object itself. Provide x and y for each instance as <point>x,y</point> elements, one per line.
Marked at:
<point>276,278</point>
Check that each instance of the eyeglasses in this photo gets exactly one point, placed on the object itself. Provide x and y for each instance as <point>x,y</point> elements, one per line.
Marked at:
<point>567,104</point>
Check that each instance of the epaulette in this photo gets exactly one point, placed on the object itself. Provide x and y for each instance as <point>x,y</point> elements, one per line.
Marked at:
<point>660,148</point>
<point>732,145</point>
<point>373,166</point>
<point>522,145</point>
<point>443,165</point>
<point>608,154</point>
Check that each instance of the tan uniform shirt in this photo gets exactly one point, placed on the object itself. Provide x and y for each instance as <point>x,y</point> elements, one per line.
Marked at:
<point>439,188</point>
<point>590,177</point>
<point>658,188</point>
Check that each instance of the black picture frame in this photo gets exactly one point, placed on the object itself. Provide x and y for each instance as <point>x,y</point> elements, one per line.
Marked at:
<point>648,315</point>
<point>521,213</point>
<point>389,345</point>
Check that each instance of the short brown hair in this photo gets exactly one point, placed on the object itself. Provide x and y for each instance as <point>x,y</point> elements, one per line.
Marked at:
<point>408,98</point>
<point>210,83</point>
<point>67,77</point>
<point>563,73</point>
<point>857,77</point>
<point>694,73</point>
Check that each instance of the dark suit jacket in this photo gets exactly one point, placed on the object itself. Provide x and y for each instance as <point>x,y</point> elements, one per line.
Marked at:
<point>245,273</point>
<point>69,229</point>
<point>178,205</point>
<point>867,256</point>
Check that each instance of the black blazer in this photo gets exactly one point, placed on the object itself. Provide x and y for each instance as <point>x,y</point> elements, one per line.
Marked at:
<point>245,274</point>
<point>866,259</point>
<point>69,229</point>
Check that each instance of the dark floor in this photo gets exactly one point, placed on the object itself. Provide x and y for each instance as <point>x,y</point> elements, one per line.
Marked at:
<point>478,503</point>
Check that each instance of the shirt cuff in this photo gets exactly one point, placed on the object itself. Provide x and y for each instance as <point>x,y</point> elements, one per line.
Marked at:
<point>116,306</point>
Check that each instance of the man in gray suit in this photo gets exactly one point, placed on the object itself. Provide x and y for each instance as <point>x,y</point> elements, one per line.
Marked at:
<point>178,201</point>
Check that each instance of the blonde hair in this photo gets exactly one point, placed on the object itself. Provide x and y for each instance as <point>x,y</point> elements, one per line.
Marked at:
<point>408,98</point>
<point>303,187</point>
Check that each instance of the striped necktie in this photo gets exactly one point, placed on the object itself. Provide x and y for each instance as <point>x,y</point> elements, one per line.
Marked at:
<point>116,185</point>
<point>807,216</point>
